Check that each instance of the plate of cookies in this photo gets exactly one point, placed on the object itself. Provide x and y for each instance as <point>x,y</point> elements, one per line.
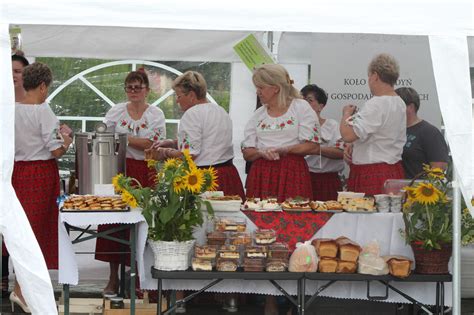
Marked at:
<point>92,203</point>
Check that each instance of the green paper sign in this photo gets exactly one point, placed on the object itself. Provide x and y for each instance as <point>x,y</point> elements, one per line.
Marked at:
<point>253,53</point>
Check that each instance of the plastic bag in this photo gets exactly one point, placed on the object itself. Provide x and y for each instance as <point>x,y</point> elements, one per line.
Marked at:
<point>370,262</point>
<point>304,258</point>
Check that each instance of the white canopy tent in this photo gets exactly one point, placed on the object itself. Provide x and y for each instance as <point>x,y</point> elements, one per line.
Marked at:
<point>207,30</point>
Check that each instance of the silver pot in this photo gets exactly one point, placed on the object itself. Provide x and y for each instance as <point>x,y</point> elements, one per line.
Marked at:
<point>99,157</point>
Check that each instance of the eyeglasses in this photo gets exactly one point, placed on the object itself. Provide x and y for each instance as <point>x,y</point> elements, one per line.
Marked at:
<point>133,88</point>
<point>178,96</point>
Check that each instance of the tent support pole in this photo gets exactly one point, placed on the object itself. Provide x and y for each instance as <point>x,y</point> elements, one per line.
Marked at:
<point>456,244</point>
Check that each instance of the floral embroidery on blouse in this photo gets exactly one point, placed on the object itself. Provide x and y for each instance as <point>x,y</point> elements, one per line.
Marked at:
<point>185,143</point>
<point>157,135</point>
<point>131,125</point>
<point>54,134</point>
<point>350,120</point>
<point>340,144</point>
<point>276,126</point>
<point>315,135</point>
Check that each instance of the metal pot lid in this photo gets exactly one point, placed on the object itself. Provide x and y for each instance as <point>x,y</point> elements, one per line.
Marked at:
<point>100,127</point>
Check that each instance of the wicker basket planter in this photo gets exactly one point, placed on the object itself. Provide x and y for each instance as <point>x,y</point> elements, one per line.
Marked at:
<point>172,255</point>
<point>432,261</point>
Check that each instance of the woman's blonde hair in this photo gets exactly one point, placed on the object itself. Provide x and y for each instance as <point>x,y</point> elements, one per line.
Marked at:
<point>276,75</point>
<point>386,67</point>
<point>191,81</point>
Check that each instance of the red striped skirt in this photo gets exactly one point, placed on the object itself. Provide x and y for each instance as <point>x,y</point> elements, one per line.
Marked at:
<point>285,178</point>
<point>36,184</point>
<point>228,181</point>
<point>137,169</point>
<point>325,185</point>
<point>370,178</point>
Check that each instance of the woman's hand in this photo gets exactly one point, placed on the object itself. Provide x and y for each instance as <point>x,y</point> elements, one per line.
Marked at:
<point>65,130</point>
<point>348,110</point>
<point>166,143</point>
<point>270,154</point>
<point>157,154</point>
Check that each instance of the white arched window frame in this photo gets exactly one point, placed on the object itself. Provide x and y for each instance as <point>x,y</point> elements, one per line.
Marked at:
<point>81,77</point>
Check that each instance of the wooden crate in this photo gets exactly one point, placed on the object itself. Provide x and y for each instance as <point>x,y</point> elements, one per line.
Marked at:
<point>141,308</point>
<point>83,306</point>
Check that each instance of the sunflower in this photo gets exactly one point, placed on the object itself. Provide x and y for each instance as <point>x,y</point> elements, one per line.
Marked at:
<point>193,180</point>
<point>151,163</point>
<point>129,199</point>
<point>210,175</point>
<point>178,184</point>
<point>435,173</point>
<point>116,182</point>
<point>410,193</point>
<point>189,159</point>
<point>426,193</point>
<point>171,164</point>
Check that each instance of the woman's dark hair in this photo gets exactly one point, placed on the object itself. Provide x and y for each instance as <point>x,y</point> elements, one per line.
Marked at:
<point>35,74</point>
<point>20,59</point>
<point>319,94</point>
<point>409,96</point>
<point>139,76</point>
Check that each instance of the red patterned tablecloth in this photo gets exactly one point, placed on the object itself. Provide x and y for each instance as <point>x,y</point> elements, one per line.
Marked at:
<point>291,227</point>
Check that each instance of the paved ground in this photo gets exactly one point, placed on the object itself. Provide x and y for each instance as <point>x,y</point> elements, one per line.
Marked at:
<point>207,305</point>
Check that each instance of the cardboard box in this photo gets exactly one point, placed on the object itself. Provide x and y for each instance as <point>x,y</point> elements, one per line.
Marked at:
<point>141,308</point>
<point>83,306</point>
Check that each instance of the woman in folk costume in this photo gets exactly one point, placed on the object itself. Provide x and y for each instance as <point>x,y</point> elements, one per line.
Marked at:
<point>378,131</point>
<point>278,136</point>
<point>205,130</point>
<point>143,124</point>
<point>39,141</point>
<point>324,167</point>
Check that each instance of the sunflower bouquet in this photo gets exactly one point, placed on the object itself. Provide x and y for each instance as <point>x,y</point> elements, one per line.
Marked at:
<point>427,210</point>
<point>172,207</point>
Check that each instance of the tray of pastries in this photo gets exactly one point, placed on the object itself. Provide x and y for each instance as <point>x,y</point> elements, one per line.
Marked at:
<point>359,205</point>
<point>92,203</point>
<point>326,206</point>
<point>261,205</point>
<point>296,204</point>
<point>221,202</point>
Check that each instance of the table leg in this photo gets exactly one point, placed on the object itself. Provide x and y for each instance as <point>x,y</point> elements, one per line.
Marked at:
<point>302,292</point>
<point>437,306</point>
<point>160,298</point>
<point>123,249</point>
<point>441,286</point>
<point>66,298</point>
<point>133,268</point>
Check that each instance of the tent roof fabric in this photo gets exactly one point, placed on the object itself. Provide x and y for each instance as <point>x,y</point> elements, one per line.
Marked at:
<point>421,17</point>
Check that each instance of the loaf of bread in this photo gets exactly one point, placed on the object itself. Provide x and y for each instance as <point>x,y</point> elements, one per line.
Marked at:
<point>346,266</point>
<point>325,247</point>
<point>348,250</point>
<point>399,266</point>
<point>327,264</point>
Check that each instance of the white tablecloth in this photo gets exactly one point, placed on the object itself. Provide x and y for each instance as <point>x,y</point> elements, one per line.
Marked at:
<point>68,271</point>
<point>362,228</point>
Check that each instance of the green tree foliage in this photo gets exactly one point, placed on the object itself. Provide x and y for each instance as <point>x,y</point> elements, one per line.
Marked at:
<point>77,99</point>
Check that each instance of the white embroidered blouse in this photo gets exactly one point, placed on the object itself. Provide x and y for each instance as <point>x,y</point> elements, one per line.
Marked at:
<point>150,126</point>
<point>36,132</point>
<point>330,137</point>
<point>296,126</point>
<point>381,128</point>
<point>206,130</point>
